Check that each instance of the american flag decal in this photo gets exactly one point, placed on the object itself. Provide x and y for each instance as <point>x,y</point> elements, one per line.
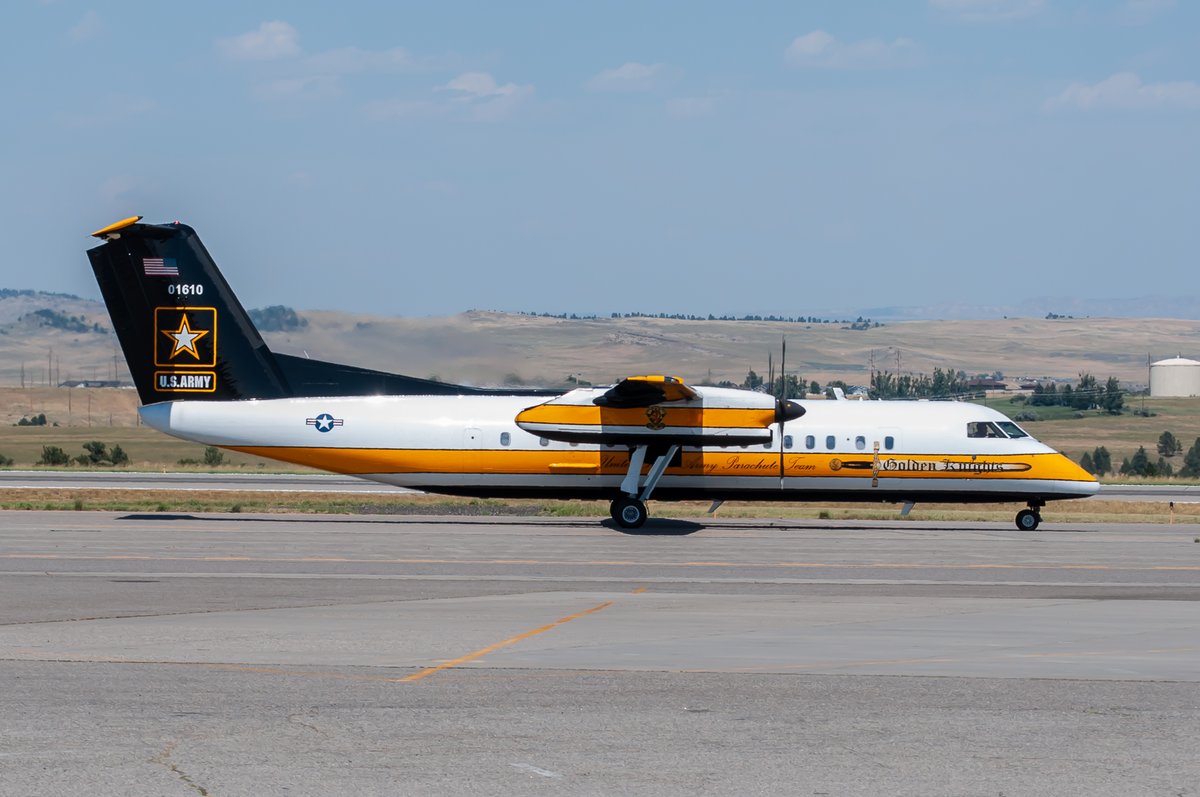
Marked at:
<point>160,267</point>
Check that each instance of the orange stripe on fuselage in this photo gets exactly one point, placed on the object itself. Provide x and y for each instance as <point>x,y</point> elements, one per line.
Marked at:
<point>714,462</point>
<point>692,417</point>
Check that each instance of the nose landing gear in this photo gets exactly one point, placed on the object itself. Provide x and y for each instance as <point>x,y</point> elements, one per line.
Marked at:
<point>1029,519</point>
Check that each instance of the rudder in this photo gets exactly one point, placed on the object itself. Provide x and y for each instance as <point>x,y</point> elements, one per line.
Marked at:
<point>183,331</point>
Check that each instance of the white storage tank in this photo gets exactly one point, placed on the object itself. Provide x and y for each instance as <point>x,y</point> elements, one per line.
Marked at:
<point>1177,376</point>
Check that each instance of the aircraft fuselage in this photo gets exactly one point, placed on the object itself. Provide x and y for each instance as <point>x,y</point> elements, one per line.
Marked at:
<point>471,445</point>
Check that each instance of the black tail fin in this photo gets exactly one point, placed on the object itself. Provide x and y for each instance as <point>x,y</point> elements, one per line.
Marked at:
<point>184,333</point>
<point>186,336</point>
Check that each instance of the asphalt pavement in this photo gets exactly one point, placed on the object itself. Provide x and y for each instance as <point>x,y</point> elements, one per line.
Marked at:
<point>258,654</point>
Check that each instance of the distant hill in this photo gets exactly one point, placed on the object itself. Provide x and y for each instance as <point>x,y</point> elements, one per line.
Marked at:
<point>1182,307</point>
<point>73,337</point>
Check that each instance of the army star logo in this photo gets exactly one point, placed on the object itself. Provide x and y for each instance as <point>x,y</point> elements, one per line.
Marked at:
<point>655,417</point>
<point>184,338</point>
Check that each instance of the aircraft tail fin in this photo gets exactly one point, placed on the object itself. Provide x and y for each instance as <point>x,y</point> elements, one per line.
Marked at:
<point>184,333</point>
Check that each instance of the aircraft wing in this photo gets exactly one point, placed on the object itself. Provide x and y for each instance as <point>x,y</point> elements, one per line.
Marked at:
<point>664,410</point>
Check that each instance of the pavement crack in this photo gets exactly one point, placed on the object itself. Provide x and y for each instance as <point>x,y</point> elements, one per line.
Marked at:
<point>163,759</point>
<point>295,718</point>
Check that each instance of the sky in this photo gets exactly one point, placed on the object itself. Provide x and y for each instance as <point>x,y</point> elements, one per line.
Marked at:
<point>681,156</point>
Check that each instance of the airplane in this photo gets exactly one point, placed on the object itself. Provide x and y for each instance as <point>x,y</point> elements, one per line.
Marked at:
<point>203,373</point>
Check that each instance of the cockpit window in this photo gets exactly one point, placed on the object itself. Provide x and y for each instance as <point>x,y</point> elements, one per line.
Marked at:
<point>984,429</point>
<point>1012,430</point>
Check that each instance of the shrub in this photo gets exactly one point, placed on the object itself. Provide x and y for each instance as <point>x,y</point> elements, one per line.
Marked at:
<point>5,462</point>
<point>118,456</point>
<point>1026,415</point>
<point>53,455</point>
<point>97,454</point>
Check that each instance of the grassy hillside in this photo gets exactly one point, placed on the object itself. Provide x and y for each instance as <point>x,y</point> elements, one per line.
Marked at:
<point>486,347</point>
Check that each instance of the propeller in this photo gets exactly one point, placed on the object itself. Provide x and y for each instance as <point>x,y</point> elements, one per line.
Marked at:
<point>785,409</point>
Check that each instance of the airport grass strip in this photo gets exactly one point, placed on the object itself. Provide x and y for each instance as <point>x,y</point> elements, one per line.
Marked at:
<point>234,501</point>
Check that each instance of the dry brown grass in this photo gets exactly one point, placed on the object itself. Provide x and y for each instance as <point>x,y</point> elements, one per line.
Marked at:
<point>484,347</point>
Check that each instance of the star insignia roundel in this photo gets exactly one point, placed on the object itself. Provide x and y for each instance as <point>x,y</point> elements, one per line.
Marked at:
<point>184,338</point>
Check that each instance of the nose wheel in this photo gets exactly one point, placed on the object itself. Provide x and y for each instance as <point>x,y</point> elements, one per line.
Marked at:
<point>629,513</point>
<point>1028,519</point>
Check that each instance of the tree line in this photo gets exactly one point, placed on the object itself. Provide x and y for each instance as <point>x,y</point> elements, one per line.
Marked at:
<point>1086,395</point>
<point>1098,461</point>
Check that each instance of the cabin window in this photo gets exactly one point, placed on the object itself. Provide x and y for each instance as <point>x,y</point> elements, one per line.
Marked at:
<point>889,443</point>
<point>787,441</point>
<point>1012,430</point>
<point>860,442</point>
<point>505,438</point>
<point>543,442</point>
<point>810,442</point>
<point>767,445</point>
<point>830,442</point>
<point>980,429</point>
<point>574,444</point>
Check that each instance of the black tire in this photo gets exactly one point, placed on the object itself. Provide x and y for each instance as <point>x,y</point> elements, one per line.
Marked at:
<point>629,513</point>
<point>1028,520</point>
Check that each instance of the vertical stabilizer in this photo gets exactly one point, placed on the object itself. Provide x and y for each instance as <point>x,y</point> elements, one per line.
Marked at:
<point>183,331</point>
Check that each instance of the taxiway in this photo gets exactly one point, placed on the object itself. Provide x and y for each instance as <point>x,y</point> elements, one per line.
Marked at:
<point>258,654</point>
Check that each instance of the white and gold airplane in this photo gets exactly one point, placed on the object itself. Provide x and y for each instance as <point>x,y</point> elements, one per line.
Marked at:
<point>204,374</point>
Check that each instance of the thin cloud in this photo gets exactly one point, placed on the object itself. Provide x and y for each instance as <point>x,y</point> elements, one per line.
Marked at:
<point>112,110</point>
<point>691,107</point>
<point>821,50</point>
<point>349,60</point>
<point>398,108</point>
<point>270,42</point>
<point>988,10</point>
<point>89,27</point>
<point>633,76</point>
<point>486,99</point>
<point>304,87</point>
<point>1142,12</point>
<point>1125,91</point>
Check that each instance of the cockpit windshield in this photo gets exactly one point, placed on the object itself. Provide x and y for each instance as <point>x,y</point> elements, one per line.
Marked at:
<point>984,429</point>
<point>1012,430</point>
<point>995,429</point>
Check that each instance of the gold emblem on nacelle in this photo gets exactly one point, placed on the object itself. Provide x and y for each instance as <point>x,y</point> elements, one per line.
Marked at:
<point>655,417</point>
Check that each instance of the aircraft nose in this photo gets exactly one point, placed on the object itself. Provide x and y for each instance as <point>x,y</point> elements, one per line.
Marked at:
<point>1083,483</point>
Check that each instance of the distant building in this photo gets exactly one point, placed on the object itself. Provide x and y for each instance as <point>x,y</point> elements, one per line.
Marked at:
<point>986,384</point>
<point>1175,377</point>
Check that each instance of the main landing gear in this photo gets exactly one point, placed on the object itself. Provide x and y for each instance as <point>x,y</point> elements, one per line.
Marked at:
<point>1028,519</point>
<point>629,510</point>
<point>630,513</point>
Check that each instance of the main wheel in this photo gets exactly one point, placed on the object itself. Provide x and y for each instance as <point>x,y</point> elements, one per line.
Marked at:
<point>630,513</point>
<point>1028,520</point>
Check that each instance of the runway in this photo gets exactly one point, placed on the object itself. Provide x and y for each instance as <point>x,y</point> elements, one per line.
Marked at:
<point>257,654</point>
